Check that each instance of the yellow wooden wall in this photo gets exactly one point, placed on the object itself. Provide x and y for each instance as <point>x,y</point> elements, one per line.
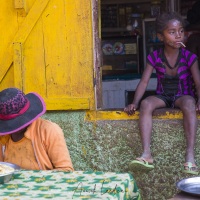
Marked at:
<point>47,47</point>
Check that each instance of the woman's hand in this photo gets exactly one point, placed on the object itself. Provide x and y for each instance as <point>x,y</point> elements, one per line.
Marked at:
<point>130,109</point>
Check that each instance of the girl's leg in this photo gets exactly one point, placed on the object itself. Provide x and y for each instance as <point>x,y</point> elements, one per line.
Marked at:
<point>188,106</point>
<point>147,107</point>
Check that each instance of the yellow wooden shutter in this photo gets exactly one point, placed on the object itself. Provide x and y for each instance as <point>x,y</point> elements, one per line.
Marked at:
<point>50,52</point>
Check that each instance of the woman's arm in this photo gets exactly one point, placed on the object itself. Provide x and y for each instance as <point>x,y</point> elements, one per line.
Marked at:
<point>58,151</point>
<point>50,146</point>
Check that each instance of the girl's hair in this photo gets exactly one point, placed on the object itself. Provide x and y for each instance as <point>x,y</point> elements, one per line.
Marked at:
<point>163,19</point>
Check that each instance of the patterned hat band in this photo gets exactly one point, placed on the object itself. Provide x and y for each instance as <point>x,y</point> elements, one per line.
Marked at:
<point>14,107</point>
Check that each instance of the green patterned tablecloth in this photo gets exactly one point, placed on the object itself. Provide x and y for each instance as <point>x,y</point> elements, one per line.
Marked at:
<point>27,184</point>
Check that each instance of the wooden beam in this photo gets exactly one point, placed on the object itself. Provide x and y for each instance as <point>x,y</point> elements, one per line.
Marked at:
<point>6,61</point>
<point>67,103</point>
<point>30,21</point>
<point>18,78</point>
<point>22,34</point>
<point>18,4</point>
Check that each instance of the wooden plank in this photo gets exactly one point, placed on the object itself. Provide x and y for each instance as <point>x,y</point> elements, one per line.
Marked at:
<point>8,27</point>
<point>19,4</point>
<point>30,21</point>
<point>67,104</point>
<point>18,65</point>
<point>96,55</point>
<point>6,63</point>
<point>22,34</point>
<point>78,48</point>
<point>34,62</point>
<point>165,113</point>
<point>109,115</point>
<point>58,67</point>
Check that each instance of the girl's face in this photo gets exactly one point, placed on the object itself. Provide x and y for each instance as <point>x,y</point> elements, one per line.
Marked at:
<point>173,34</point>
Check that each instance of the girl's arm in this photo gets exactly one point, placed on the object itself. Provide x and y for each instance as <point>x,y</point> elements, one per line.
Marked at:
<point>140,90</point>
<point>196,77</point>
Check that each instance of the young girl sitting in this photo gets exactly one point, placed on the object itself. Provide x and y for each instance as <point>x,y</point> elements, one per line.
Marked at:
<point>176,70</point>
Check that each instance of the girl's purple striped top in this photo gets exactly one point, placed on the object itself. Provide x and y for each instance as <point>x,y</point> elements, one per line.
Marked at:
<point>186,60</point>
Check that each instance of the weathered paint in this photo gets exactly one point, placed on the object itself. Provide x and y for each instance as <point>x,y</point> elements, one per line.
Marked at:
<point>109,145</point>
<point>48,48</point>
<point>97,53</point>
<point>121,115</point>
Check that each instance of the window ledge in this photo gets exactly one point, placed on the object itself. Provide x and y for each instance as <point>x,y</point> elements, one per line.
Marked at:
<point>163,113</point>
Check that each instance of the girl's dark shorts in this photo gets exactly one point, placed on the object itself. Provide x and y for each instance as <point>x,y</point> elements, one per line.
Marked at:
<point>169,100</point>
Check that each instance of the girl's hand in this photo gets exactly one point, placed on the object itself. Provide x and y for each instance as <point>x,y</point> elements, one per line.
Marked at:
<point>198,107</point>
<point>130,109</point>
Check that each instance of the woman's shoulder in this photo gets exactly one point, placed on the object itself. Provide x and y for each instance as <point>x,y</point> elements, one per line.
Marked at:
<point>45,124</point>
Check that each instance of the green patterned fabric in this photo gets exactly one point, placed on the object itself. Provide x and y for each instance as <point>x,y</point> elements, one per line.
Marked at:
<point>59,185</point>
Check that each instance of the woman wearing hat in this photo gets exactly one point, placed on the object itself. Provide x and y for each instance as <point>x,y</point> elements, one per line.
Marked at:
<point>28,140</point>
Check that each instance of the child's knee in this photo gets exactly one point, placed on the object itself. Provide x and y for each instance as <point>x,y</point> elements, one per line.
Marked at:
<point>145,105</point>
<point>189,104</point>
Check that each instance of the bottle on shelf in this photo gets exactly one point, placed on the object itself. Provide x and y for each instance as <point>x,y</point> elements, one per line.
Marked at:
<point>134,24</point>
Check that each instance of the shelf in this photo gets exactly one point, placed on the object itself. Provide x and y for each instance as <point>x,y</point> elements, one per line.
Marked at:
<point>117,55</point>
<point>111,30</point>
<point>154,44</point>
<point>119,71</point>
<point>127,76</point>
<point>120,37</point>
<point>117,15</point>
